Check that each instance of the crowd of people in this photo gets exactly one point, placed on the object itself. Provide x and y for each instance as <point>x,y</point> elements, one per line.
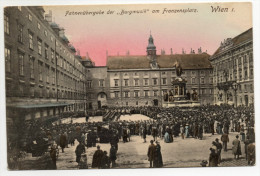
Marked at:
<point>164,123</point>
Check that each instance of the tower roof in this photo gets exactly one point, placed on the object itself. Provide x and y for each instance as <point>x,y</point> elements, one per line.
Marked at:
<point>151,45</point>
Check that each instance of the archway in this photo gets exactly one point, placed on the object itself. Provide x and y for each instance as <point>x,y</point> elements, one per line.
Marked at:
<point>102,99</point>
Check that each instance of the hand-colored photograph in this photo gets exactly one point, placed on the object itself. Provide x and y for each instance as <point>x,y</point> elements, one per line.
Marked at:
<point>129,86</point>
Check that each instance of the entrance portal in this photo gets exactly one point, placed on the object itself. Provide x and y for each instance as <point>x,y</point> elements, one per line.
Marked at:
<point>102,99</point>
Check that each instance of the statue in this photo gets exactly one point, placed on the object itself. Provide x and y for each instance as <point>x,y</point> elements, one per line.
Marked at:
<point>178,69</point>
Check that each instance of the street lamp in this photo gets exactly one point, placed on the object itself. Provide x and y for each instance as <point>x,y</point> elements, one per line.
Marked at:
<point>235,87</point>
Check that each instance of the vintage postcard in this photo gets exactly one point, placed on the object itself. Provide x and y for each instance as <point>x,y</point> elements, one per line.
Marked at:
<point>129,86</point>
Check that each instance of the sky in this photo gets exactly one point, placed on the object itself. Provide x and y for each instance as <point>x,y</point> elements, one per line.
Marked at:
<point>117,34</point>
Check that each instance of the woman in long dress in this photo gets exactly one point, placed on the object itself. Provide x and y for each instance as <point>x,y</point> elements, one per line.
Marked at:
<point>158,162</point>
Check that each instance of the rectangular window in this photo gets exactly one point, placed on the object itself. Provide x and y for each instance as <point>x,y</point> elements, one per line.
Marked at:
<point>30,40</point>
<point>202,81</point>
<point>7,60</point>
<point>32,92</point>
<point>6,24</point>
<point>46,53</point>
<point>31,67</point>
<point>126,82</point>
<point>211,80</point>
<point>116,82</point>
<point>40,70</point>
<point>101,83</point>
<point>20,33</point>
<point>127,94</point>
<point>116,94</point>
<point>21,63</point>
<point>47,73</point>
<point>155,81</point>
<point>39,46</point>
<point>146,82</point>
<point>52,55</point>
<point>146,93</point>
<point>45,33</point>
<point>136,82</point>
<point>89,83</point>
<point>164,81</point>
<point>136,94</point>
<point>53,76</point>
<point>193,80</point>
<point>155,93</point>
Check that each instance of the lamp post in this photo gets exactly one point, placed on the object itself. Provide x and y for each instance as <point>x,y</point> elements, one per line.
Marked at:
<point>235,87</point>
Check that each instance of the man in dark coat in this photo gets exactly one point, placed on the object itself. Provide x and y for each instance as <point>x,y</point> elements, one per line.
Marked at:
<point>219,148</point>
<point>105,161</point>
<point>225,140</point>
<point>151,153</point>
<point>79,150</point>
<point>113,155</point>
<point>63,141</point>
<point>97,157</point>
<point>53,155</point>
<point>213,158</point>
<point>158,162</point>
<point>236,148</point>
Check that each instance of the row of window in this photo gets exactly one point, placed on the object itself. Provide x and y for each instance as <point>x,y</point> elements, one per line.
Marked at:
<point>155,93</point>
<point>45,72</point>
<point>233,76</point>
<point>165,73</point>
<point>60,61</point>
<point>47,93</point>
<point>155,81</point>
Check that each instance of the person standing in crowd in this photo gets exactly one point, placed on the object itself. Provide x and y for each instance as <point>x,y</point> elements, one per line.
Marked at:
<point>236,148</point>
<point>79,150</point>
<point>158,162</point>
<point>182,131</point>
<point>246,142</point>
<point>251,154</point>
<point>151,153</point>
<point>97,157</point>
<point>144,134</point>
<point>105,161</point>
<point>167,137</point>
<point>225,140</point>
<point>63,141</point>
<point>186,130</point>
<point>213,158</point>
<point>219,148</point>
<point>113,157</point>
<point>53,155</point>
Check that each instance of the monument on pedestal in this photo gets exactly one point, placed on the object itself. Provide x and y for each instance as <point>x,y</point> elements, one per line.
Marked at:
<point>177,96</point>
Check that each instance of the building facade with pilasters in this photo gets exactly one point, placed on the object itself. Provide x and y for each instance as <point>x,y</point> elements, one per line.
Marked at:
<point>233,69</point>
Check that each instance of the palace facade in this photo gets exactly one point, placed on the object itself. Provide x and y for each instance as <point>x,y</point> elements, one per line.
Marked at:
<point>142,80</point>
<point>233,69</point>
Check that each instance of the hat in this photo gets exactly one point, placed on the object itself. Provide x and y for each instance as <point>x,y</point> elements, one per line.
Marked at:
<point>237,136</point>
<point>151,141</point>
<point>216,139</point>
<point>98,146</point>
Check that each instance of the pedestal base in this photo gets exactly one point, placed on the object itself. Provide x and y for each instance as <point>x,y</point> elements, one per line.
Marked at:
<point>183,103</point>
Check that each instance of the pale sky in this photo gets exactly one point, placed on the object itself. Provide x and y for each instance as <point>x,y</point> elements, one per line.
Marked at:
<point>120,33</point>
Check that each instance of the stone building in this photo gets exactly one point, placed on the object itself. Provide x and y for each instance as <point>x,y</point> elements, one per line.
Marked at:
<point>44,76</point>
<point>234,70</point>
<point>142,80</point>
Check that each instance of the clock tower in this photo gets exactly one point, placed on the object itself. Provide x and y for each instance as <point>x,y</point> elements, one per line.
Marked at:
<point>151,53</point>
